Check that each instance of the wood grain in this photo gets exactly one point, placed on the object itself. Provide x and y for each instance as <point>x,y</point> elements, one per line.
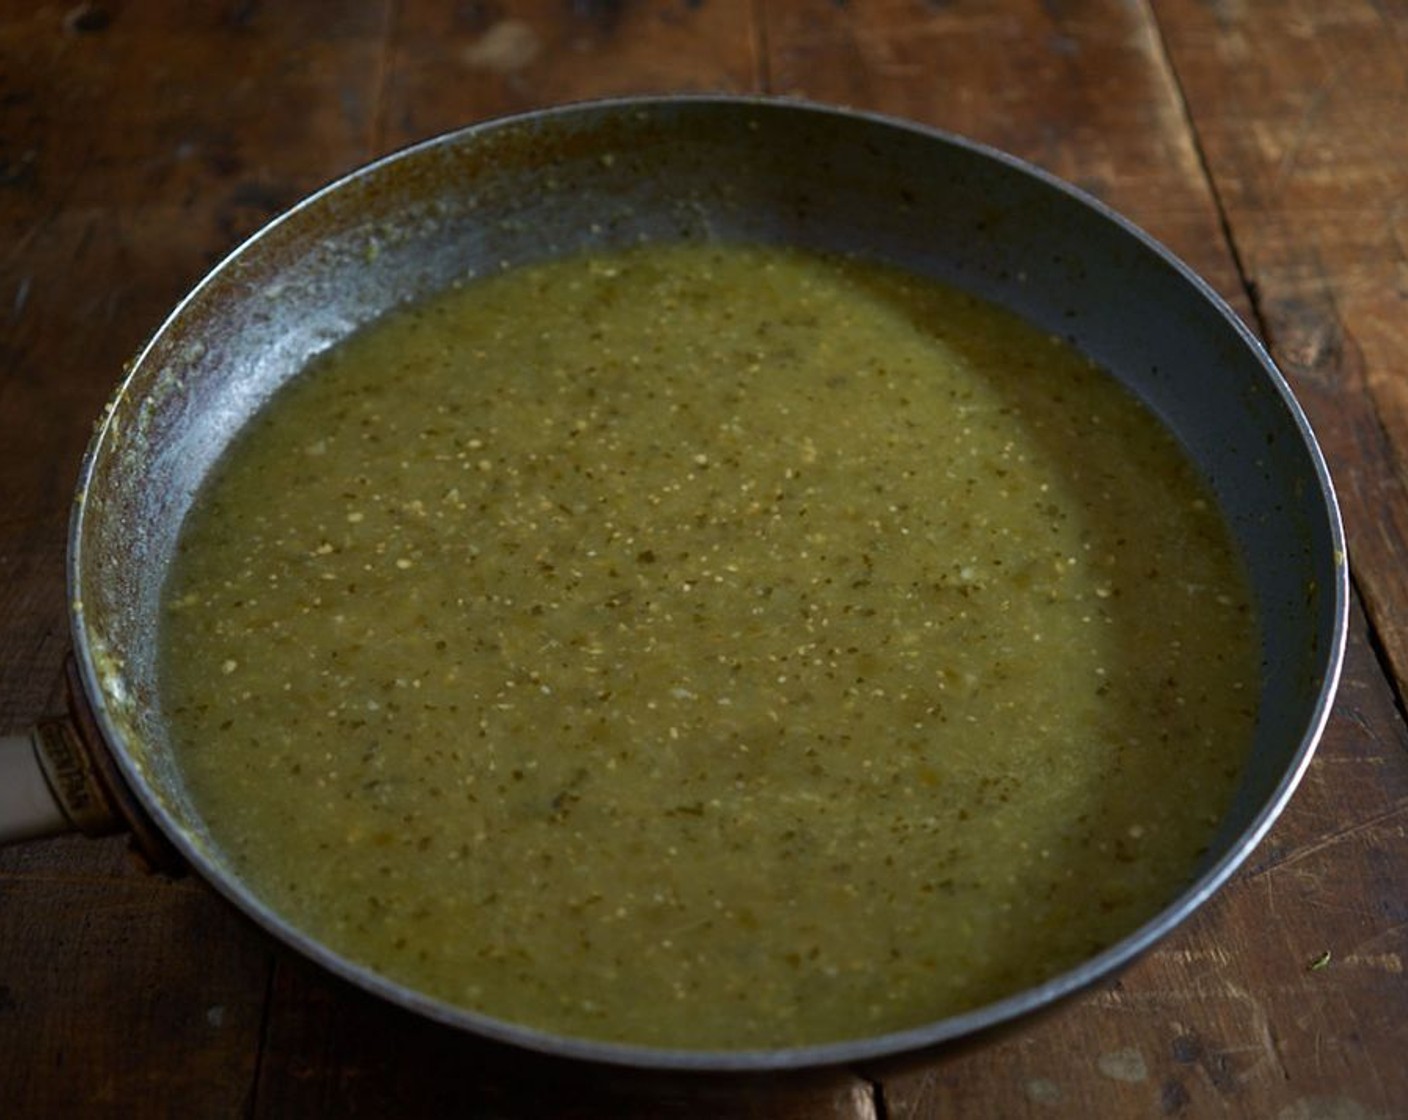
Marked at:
<point>136,148</point>
<point>332,1051</point>
<point>127,172</point>
<point>117,984</point>
<point>1301,110</point>
<point>140,142</point>
<point>446,65</point>
<point>1082,90</point>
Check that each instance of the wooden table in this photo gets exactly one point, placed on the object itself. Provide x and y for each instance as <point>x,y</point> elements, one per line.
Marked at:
<point>1265,141</point>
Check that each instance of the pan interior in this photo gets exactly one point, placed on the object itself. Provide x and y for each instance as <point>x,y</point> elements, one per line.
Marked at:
<point>709,625</point>
<point>610,177</point>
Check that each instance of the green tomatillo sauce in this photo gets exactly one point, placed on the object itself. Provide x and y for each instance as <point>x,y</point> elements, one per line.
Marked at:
<point>709,647</point>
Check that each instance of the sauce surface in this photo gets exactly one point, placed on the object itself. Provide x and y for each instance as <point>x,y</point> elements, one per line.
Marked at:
<point>709,647</point>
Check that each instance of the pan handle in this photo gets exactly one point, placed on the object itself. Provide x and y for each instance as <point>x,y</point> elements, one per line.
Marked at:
<point>28,807</point>
<point>62,777</point>
<point>48,786</point>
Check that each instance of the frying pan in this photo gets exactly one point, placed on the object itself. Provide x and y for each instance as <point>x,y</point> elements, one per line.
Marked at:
<point>611,174</point>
